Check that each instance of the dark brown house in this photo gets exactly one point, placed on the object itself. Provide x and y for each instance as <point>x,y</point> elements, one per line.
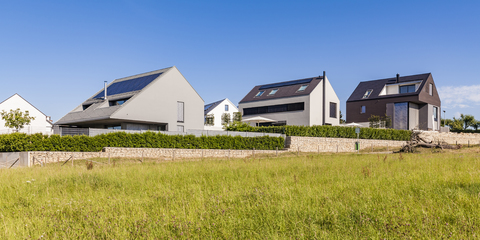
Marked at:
<point>412,102</point>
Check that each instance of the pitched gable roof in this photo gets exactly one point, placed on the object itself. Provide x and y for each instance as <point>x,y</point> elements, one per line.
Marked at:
<point>209,107</point>
<point>122,88</point>
<point>377,86</point>
<point>285,89</point>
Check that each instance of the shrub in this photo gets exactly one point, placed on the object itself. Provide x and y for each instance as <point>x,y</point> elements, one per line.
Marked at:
<point>327,131</point>
<point>20,142</point>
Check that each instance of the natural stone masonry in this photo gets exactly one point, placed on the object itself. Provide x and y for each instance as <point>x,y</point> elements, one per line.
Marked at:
<point>452,138</point>
<point>320,144</point>
<point>151,153</point>
<point>302,144</point>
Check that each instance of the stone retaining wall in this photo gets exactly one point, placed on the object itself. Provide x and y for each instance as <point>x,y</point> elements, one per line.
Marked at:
<point>155,153</point>
<point>320,144</point>
<point>452,138</point>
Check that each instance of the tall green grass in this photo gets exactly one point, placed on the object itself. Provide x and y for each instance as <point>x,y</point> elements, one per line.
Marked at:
<point>429,195</point>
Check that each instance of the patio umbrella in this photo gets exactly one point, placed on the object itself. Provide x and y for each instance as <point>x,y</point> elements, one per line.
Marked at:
<point>352,124</point>
<point>257,120</point>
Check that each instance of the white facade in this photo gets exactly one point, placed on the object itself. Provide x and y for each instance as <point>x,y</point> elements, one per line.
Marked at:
<point>219,108</point>
<point>41,123</point>
<point>313,113</point>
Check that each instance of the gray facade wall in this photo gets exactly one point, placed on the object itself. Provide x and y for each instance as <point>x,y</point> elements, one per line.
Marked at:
<point>158,103</point>
<point>300,118</point>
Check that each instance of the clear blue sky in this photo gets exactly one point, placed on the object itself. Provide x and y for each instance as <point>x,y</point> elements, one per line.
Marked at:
<point>56,54</point>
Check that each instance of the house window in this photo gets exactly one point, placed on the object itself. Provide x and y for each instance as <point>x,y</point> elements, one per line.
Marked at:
<point>273,92</point>
<point>367,93</point>
<point>87,106</point>
<point>430,89</point>
<point>274,108</point>
<point>407,88</point>
<point>226,107</point>
<point>363,109</point>
<point>302,88</point>
<point>115,127</point>
<point>259,94</point>
<point>117,102</point>
<point>333,110</point>
<point>180,111</point>
<point>435,114</point>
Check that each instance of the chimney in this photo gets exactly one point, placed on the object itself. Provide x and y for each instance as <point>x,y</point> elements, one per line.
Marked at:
<point>105,90</point>
<point>398,78</point>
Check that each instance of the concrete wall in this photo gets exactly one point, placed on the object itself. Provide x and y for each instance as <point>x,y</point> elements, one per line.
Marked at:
<point>158,103</point>
<point>316,144</point>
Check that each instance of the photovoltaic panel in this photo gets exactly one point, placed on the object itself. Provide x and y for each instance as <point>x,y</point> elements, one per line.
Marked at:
<point>283,84</point>
<point>129,85</point>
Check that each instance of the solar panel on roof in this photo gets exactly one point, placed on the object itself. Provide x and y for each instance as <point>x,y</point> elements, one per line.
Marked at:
<point>275,85</point>
<point>129,85</point>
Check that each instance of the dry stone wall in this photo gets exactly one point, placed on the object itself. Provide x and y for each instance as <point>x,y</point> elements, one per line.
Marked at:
<point>152,153</point>
<point>451,137</point>
<point>318,144</point>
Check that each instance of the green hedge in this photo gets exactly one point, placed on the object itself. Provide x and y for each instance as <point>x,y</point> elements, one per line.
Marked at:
<point>328,131</point>
<point>20,142</point>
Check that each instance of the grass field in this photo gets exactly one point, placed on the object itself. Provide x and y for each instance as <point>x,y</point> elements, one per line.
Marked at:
<point>328,196</point>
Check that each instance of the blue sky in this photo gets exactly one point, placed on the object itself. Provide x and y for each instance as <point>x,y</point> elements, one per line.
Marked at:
<point>56,54</point>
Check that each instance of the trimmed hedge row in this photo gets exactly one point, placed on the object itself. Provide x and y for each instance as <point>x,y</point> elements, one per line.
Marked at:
<point>20,142</point>
<point>329,131</point>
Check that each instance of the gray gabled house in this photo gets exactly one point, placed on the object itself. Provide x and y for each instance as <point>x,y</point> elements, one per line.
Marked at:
<point>411,102</point>
<point>303,102</point>
<point>158,100</point>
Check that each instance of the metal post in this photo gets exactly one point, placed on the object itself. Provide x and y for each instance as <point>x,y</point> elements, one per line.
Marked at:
<point>228,153</point>
<point>253,152</point>
<point>298,150</point>
<point>276,152</point>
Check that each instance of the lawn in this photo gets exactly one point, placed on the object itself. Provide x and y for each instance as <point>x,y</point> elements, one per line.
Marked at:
<point>352,196</point>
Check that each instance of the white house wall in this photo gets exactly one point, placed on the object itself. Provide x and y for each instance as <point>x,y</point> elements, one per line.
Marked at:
<point>218,111</point>
<point>39,125</point>
<point>331,97</point>
<point>300,118</point>
<point>158,103</point>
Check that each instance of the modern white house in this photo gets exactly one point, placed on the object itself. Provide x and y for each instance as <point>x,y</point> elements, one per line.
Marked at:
<point>303,102</point>
<point>41,124</point>
<point>158,100</point>
<point>217,109</point>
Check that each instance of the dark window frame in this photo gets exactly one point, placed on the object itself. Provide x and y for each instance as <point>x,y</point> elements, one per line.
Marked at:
<point>333,110</point>
<point>407,89</point>
<point>290,107</point>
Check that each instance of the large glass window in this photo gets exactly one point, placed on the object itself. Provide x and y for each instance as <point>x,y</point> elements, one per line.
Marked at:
<point>273,92</point>
<point>435,113</point>
<point>333,110</point>
<point>274,108</point>
<point>407,88</point>
<point>401,116</point>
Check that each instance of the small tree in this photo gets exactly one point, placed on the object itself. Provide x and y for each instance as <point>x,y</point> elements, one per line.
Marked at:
<point>468,121</point>
<point>226,119</point>
<point>374,121</point>
<point>16,118</point>
<point>237,117</point>
<point>209,120</point>
<point>341,118</point>
<point>476,125</point>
